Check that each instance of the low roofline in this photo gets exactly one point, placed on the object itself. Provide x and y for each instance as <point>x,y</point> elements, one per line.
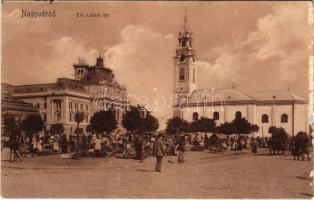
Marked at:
<point>251,95</point>
<point>36,84</point>
<point>244,102</point>
<point>70,79</point>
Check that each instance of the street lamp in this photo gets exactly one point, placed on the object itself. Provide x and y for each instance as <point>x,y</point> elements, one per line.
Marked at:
<point>143,113</point>
<point>79,117</point>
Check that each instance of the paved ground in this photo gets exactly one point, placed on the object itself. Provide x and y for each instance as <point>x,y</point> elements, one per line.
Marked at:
<point>204,175</point>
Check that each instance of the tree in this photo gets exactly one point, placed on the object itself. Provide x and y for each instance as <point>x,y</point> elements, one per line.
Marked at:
<point>302,136</point>
<point>254,128</point>
<point>10,126</point>
<point>103,121</point>
<point>79,117</point>
<point>242,126</point>
<point>279,139</point>
<point>88,128</point>
<point>283,138</point>
<point>132,119</point>
<point>186,126</point>
<point>57,129</point>
<point>151,123</point>
<point>175,124</point>
<point>204,125</point>
<point>32,124</point>
<point>227,128</point>
<point>272,129</point>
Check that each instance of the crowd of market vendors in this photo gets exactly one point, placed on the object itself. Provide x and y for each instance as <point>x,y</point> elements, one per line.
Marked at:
<point>139,146</point>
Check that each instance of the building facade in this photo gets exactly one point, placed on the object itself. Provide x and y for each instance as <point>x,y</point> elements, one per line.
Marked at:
<point>14,106</point>
<point>268,108</point>
<point>94,88</point>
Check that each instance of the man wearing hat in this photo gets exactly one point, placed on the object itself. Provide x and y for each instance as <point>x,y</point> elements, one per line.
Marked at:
<point>158,152</point>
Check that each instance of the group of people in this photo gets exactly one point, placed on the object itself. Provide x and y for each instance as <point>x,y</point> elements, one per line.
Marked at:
<point>129,146</point>
<point>135,146</point>
<point>234,143</point>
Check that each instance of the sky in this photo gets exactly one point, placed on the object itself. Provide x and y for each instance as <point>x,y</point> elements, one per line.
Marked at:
<point>256,45</point>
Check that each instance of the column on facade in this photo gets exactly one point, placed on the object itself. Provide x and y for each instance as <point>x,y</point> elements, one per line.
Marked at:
<point>226,114</point>
<point>308,119</point>
<point>66,110</point>
<point>273,115</point>
<point>62,110</point>
<point>251,113</point>
<point>52,110</point>
<point>292,116</point>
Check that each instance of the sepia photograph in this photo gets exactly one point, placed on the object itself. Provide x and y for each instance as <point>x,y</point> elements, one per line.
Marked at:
<point>157,99</point>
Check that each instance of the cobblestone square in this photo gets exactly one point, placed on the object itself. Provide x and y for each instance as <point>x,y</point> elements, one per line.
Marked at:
<point>203,175</point>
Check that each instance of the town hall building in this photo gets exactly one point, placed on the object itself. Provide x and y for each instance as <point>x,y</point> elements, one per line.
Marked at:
<point>93,88</point>
<point>271,108</point>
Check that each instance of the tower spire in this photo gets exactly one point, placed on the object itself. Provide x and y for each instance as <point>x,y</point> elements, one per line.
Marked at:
<point>185,19</point>
<point>99,52</point>
<point>100,60</point>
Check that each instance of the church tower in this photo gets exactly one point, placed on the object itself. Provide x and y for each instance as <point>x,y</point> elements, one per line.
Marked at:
<point>184,63</point>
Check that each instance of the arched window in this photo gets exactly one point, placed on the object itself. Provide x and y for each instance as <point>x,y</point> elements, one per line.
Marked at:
<point>195,116</point>
<point>264,118</point>
<point>216,116</point>
<point>238,115</point>
<point>284,118</point>
<point>182,57</point>
<point>182,74</point>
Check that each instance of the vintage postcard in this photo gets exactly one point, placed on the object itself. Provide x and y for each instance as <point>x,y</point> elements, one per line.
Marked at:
<point>165,99</point>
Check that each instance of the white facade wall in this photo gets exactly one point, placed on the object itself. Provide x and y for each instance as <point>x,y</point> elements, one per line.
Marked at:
<point>279,110</point>
<point>301,122</point>
<point>297,116</point>
<point>263,127</point>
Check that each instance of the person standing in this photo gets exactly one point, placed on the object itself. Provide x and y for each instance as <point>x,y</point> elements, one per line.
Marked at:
<point>254,146</point>
<point>56,146</point>
<point>97,147</point>
<point>138,148</point>
<point>158,152</point>
<point>14,148</point>
<point>64,144</point>
<point>181,149</point>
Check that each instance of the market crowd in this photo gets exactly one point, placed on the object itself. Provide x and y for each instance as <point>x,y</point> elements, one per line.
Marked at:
<point>140,146</point>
